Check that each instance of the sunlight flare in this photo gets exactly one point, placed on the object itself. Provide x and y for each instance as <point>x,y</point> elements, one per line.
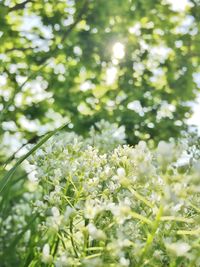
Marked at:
<point>118,50</point>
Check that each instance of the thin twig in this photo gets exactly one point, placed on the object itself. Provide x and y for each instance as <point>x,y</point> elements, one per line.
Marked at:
<point>19,6</point>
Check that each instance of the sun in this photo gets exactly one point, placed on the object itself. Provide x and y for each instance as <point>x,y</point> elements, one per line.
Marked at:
<point>118,50</point>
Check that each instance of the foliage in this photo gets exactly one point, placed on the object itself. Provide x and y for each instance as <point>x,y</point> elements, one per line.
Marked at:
<point>57,56</point>
<point>89,202</point>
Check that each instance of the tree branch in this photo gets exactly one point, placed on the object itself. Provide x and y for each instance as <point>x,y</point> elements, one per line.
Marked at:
<point>19,6</point>
<point>79,16</point>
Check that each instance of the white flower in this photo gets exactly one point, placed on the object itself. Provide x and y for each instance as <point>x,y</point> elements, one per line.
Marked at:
<point>54,221</point>
<point>124,262</point>
<point>95,233</point>
<point>91,209</point>
<point>121,172</point>
<point>46,257</point>
<point>178,248</point>
<point>55,212</point>
<point>62,261</point>
<point>121,212</point>
<point>68,213</point>
<point>167,153</point>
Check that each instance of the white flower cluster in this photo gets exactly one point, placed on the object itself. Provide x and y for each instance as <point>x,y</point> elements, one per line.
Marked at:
<point>96,205</point>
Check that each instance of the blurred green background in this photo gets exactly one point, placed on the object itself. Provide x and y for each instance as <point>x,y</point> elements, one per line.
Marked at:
<point>134,62</point>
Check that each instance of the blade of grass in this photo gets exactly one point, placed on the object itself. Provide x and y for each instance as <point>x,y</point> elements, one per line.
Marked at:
<point>189,232</point>
<point>177,219</point>
<point>10,173</point>
<point>135,215</point>
<point>151,235</point>
<point>141,198</point>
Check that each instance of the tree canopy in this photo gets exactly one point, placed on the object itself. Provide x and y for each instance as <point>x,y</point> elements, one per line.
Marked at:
<point>132,62</point>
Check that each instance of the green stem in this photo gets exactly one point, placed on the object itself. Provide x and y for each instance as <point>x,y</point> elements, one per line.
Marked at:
<point>151,235</point>
<point>72,239</point>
